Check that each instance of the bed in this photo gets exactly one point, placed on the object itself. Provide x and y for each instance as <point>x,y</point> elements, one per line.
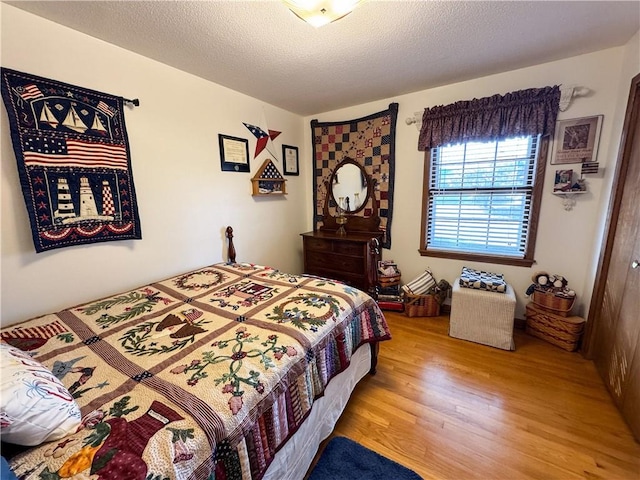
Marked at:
<point>231,371</point>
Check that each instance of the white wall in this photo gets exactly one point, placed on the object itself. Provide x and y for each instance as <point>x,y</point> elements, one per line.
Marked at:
<point>630,68</point>
<point>565,243</point>
<point>185,200</point>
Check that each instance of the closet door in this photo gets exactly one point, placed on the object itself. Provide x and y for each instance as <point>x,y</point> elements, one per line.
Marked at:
<point>631,398</point>
<point>613,339</point>
<point>619,361</point>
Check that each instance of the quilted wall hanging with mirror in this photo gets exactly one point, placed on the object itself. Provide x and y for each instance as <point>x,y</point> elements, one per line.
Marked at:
<point>370,141</point>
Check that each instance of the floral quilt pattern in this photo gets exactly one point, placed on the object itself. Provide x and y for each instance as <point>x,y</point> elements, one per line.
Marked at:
<point>203,375</point>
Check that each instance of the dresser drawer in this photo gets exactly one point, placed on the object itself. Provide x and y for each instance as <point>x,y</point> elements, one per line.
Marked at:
<point>334,262</point>
<point>345,248</point>
<point>349,248</point>
<point>318,245</point>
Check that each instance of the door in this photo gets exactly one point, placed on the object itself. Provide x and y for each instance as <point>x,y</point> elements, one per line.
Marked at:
<point>613,333</point>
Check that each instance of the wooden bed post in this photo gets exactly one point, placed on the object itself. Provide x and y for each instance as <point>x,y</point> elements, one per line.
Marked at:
<point>231,250</point>
<point>372,273</point>
<point>375,348</point>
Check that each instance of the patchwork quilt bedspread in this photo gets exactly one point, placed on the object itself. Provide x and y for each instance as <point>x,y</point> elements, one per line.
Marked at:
<point>203,375</point>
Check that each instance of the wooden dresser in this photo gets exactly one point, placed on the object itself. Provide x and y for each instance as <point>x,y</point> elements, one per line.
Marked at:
<point>352,258</point>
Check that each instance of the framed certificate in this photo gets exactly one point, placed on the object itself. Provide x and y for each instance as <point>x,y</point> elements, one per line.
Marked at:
<point>576,140</point>
<point>234,153</point>
<point>290,160</point>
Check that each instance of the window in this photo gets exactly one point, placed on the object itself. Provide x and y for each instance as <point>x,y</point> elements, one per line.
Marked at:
<point>481,200</point>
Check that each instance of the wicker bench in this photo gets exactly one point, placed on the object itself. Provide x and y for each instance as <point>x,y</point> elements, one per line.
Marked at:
<point>483,317</point>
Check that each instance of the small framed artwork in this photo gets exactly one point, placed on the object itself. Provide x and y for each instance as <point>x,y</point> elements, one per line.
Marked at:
<point>290,160</point>
<point>563,181</point>
<point>234,153</point>
<point>576,141</point>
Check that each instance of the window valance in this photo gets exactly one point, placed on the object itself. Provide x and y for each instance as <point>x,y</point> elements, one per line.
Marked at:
<point>524,112</point>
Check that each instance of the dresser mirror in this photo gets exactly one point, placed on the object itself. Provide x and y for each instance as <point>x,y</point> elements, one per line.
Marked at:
<point>349,186</point>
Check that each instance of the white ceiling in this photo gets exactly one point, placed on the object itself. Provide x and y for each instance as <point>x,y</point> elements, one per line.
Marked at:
<point>381,50</point>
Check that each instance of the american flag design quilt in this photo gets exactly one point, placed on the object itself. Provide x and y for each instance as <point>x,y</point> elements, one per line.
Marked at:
<point>370,141</point>
<point>73,161</point>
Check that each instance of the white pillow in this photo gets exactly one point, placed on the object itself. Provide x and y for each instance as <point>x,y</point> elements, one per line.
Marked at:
<point>422,284</point>
<point>34,405</point>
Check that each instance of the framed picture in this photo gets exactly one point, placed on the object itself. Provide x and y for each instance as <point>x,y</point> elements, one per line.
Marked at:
<point>563,181</point>
<point>576,141</point>
<point>234,153</point>
<point>290,160</point>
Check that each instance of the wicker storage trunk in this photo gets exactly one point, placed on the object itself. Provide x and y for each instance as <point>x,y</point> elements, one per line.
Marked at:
<point>559,305</point>
<point>559,330</point>
<point>421,305</point>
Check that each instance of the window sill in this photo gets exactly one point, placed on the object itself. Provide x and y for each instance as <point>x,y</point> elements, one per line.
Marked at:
<point>473,257</point>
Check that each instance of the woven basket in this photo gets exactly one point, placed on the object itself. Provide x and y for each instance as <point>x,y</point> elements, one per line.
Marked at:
<point>559,305</point>
<point>563,332</point>
<point>421,305</point>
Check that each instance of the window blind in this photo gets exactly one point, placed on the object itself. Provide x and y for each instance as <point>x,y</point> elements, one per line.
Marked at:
<point>480,196</point>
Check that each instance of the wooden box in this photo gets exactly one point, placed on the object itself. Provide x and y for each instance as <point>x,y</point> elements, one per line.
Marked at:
<point>268,181</point>
<point>561,331</point>
<point>388,280</point>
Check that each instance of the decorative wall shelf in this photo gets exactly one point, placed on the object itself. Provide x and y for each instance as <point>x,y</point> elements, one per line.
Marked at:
<point>569,198</point>
<point>268,181</point>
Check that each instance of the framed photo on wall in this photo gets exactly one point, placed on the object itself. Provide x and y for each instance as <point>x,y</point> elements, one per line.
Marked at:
<point>290,160</point>
<point>563,181</point>
<point>576,140</point>
<point>234,153</point>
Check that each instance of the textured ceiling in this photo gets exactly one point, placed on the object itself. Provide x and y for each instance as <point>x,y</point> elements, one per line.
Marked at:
<point>381,50</point>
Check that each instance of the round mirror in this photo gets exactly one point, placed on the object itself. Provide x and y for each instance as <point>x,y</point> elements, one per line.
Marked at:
<point>350,186</point>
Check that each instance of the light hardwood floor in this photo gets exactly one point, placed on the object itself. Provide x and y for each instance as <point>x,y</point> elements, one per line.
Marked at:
<point>451,409</point>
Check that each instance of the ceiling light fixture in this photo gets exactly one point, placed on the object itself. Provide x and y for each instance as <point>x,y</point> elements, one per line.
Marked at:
<point>321,12</point>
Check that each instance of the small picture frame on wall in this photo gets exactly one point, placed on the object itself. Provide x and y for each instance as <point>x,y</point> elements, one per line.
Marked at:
<point>290,160</point>
<point>234,153</point>
<point>576,140</point>
<point>563,181</point>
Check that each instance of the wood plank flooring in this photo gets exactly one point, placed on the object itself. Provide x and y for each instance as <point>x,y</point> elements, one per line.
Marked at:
<point>451,409</point>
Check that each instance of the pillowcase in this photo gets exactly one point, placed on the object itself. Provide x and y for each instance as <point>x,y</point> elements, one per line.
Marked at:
<point>34,405</point>
<point>420,285</point>
<point>481,280</point>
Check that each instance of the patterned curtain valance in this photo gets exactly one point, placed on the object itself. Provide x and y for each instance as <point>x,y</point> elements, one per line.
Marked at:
<point>524,112</point>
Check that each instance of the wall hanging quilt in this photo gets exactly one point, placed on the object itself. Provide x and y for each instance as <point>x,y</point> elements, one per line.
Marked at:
<point>73,161</point>
<point>371,142</point>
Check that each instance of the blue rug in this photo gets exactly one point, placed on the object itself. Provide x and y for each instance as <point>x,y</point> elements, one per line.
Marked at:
<point>344,459</point>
